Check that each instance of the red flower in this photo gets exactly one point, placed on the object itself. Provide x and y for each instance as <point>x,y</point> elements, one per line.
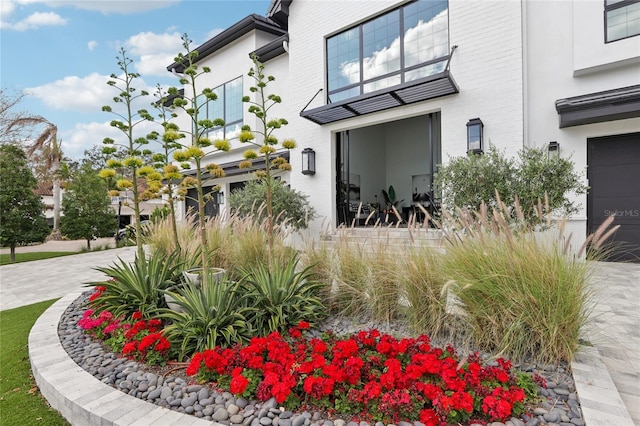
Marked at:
<point>238,384</point>
<point>136,315</point>
<point>303,325</point>
<point>129,348</point>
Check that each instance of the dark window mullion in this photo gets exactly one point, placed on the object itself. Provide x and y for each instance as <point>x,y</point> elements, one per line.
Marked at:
<point>401,23</point>
<point>361,54</point>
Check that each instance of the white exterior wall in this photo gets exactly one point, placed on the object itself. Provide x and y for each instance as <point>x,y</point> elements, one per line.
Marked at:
<point>487,67</point>
<point>566,56</point>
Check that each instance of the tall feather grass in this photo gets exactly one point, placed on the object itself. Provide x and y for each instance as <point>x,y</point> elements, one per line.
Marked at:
<point>234,242</point>
<point>525,294</point>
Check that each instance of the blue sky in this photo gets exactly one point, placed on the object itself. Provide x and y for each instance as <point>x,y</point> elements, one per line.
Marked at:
<point>62,52</point>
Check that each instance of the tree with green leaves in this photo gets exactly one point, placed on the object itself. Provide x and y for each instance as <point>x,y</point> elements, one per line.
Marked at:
<point>87,207</point>
<point>128,119</point>
<point>198,145</point>
<point>289,206</point>
<point>21,211</point>
<point>266,142</point>
<point>531,178</point>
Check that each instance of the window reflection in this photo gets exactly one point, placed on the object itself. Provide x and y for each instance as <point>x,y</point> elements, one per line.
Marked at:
<point>227,106</point>
<point>381,45</point>
<point>388,50</point>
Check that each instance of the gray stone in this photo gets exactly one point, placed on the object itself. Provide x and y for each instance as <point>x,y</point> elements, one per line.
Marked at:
<point>236,419</point>
<point>220,414</point>
<point>265,421</point>
<point>270,403</point>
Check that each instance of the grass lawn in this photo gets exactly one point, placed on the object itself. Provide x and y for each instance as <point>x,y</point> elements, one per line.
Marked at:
<point>26,257</point>
<point>20,400</point>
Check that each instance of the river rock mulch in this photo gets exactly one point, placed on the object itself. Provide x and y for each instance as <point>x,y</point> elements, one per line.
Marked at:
<point>172,389</point>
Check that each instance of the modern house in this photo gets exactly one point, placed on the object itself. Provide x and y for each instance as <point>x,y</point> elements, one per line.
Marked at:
<point>382,92</point>
<point>45,191</point>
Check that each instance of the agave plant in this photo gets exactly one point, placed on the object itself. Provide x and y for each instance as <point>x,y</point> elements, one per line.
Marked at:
<point>212,315</point>
<point>282,296</point>
<point>137,286</point>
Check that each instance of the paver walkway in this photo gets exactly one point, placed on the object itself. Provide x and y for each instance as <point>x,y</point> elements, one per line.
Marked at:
<point>30,282</point>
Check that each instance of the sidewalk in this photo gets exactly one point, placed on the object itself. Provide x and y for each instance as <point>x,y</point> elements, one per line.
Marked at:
<point>66,245</point>
<point>30,282</point>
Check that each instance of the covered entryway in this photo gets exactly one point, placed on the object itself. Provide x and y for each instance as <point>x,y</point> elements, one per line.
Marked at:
<point>614,180</point>
<point>401,154</point>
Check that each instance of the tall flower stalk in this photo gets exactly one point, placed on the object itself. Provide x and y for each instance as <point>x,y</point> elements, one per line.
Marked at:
<point>126,123</point>
<point>192,102</point>
<point>266,143</point>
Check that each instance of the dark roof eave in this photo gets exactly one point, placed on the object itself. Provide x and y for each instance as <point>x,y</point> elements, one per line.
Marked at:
<point>609,105</point>
<point>231,34</point>
<point>272,49</point>
<point>232,168</point>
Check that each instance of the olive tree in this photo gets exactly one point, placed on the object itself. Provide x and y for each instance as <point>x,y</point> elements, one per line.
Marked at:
<point>533,177</point>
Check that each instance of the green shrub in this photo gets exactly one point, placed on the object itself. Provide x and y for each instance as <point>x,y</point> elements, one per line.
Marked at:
<point>468,181</point>
<point>137,286</point>
<point>289,206</point>
<point>215,314</point>
<point>282,296</point>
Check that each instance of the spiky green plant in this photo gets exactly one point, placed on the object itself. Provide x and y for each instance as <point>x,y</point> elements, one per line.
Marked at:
<point>137,286</point>
<point>214,314</point>
<point>282,296</point>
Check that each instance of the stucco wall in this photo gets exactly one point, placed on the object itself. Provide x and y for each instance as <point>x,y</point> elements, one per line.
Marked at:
<point>566,56</point>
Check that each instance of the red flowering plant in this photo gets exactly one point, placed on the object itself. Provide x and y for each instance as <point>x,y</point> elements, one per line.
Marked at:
<point>134,337</point>
<point>369,375</point>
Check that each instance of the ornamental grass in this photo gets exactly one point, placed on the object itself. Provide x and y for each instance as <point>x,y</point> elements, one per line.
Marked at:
<point>523,292</point>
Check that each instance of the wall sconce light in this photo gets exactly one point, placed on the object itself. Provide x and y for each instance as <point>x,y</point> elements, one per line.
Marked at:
<point>554,149</point>
<point>220,197</point>
<point>308,161</point>
<point>475,143</point>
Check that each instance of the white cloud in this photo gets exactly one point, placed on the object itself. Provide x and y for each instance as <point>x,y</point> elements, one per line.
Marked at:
<point>155,51</point>
<point>107,6</point>
<point>35,20</point>
<point>86,94</point>
<point>41,19</point>
<point>75,93</point>
<point>92,45</point>
<point>85,135</point>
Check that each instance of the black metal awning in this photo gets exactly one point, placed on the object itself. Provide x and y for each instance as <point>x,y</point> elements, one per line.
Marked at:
<point>434,86</point>
<point>616,104</point>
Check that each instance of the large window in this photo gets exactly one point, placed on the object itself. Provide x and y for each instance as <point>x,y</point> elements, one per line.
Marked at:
<point>402,45</point>
<point>622,19</point>
<point>228,106</point>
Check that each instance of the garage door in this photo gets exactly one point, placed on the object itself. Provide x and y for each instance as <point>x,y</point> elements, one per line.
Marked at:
<point>614,180</point>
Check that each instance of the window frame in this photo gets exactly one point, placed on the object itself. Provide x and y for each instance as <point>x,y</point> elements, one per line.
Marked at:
<point>401,72</point>
<point>611,7</point>
<point>223,98</point>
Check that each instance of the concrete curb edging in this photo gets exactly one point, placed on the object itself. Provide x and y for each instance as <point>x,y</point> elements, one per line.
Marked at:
<point>77,395</point>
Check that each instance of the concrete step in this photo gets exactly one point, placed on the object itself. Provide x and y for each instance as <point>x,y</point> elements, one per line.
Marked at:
<point>407,236</point>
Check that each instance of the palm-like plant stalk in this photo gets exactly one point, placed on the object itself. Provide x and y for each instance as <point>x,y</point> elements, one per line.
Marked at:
<point>47,142</point>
